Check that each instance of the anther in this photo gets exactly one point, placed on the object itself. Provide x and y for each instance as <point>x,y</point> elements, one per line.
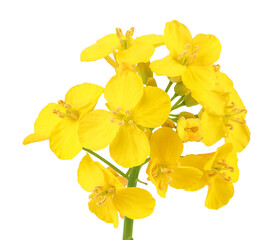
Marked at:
<point>131,122</point>
<point>101,201</point>
<point>121,123</point>
<point>233,104</point>
<point>119,32</point>
<point>216,67</point>
<point>228,179</point>
<point>113,120</point>
<point>118,109</point>
<point>55,111</point>
<point>127,113</point>
<point>231,169</point>
<point>61,115</point>
<point>67,106</point>
<point>60,102</point>
<point>230,126</point>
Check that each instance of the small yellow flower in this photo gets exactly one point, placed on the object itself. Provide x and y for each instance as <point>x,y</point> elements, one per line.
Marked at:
<point>189,129</point>
<point>129,50</point>
<point>231,124</point>
<point>109,196</point>
<point>59,122</point>
<point>192,60</point>
<point>220,171</point>
<point>163,169</point>
<point>133,108</point>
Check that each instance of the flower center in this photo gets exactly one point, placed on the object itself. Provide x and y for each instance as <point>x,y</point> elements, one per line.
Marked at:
<point>100,194</point>
<point>121,117</point>
<point>163,175</point>
<point>188,56</point>
<point>221,168</point>
<point>68,111</point>
<point>124,40</point>
<point>235,114</point>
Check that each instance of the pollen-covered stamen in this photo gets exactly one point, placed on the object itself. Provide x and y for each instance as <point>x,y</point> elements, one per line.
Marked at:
<point>124,40</point>
<point>163,174</point>
<point>236,114</point>
<point>216,67</point>
<point>119,32</point>
<point>68,111</point>
<point>121,117</point>
<point>187,56</point>
<point>221,168</point>
<point>100,194</point>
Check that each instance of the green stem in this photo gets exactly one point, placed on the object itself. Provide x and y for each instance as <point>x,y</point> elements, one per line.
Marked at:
<point>128,223</point>
<point>177,103</point>
<point>174,96</point>
<point>105,161</point>
<point>168,87</point>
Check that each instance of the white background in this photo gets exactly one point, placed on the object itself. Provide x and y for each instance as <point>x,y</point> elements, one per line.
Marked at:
<point>40,47</point>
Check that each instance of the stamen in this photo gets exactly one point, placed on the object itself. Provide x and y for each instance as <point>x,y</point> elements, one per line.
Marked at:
<point>67,106</point>
<point>113,120</point>
<point>228,179</point>
<point>61,102</point>
<point>233,104</point>
<point>216,67</point>
<point>128,113</point>
<point>230,126</point>
<point>119,32</point>
<point>61,115</point>
<point>101,200</point>
<point>231,169</point>
<point>121,123</point>
<point>131,122</point>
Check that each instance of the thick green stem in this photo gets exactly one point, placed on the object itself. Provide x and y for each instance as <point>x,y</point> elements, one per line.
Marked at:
<point>128,223</point>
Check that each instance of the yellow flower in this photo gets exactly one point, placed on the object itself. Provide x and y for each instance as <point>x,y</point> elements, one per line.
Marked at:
<point>189,129</point>
<point>192,59</point>
<point>132,108</point>
<point>129,50</point>
<point>163,169</point>
<point>109,196</point>
<point>231,124</point>
<point>59,122</point>
<point>220,171</point>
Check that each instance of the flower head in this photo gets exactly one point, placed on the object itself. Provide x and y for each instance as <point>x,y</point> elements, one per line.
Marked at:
<point>124,47</point>
<point>109,196</point>
<point>220,171</point>
<point>59,122</point>
<point>163,169</point>
<point>132,108</point>
<point>189,129</point>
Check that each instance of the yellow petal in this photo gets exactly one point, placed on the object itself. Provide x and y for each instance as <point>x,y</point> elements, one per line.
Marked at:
<point>153,109</point>
<point>239,136</point>
<point>166,145</point>
<point>34,137</point>
<point>47,120</point>
<point>177,35</point>
<point>64,141</point>
<point>124,90</point>
<point>90,174</point>
<point>134,203</point>
<point>167,66</point>
<point>101,49</point>
<point>185,177</point>
<point>213,128</point>
<point>83,97</point>
<point>96,131</point>
<point>106,211</point>
<point>135,54</point>
<point>153,39</point>
<point>130,147</point>
<point>209,49</point>
<point>198,78</point>
<point>219,193</point>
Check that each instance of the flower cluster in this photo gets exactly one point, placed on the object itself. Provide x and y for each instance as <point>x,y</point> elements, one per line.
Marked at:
<point>141,125</point>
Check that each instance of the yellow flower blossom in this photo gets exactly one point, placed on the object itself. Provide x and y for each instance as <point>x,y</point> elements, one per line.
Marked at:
<point>59,122</point>
<point>231,124</point>
<point>129,50</point>
<point>163,169</point>
<point>133,108</point>
<point>220,171</point>
<point>192,59</point>
<point>109,196</point>
<point>189,129</point>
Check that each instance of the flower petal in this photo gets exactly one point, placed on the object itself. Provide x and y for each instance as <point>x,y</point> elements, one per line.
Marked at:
<point>106,211</point>
<point>209,49</point>
<point>152,39</point>
<point>130,147</point>
<point>213,128</point>
<point>219,193</point>
<point>166,145</point>
<point>167,66</point>
<point>124,90</point>
<point>135,54</point>
<point>185,177</point>
<point>134,203</point>
<point>177,35</point>
<point>239,136</point>
<point>96,131</point>
<point>90,174</point>
<point>64,141</point>
<point>153,109</point>
<point>83,97</point>
<point>47,120</point>
<point>101,49</point>
<point>34,137</point>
